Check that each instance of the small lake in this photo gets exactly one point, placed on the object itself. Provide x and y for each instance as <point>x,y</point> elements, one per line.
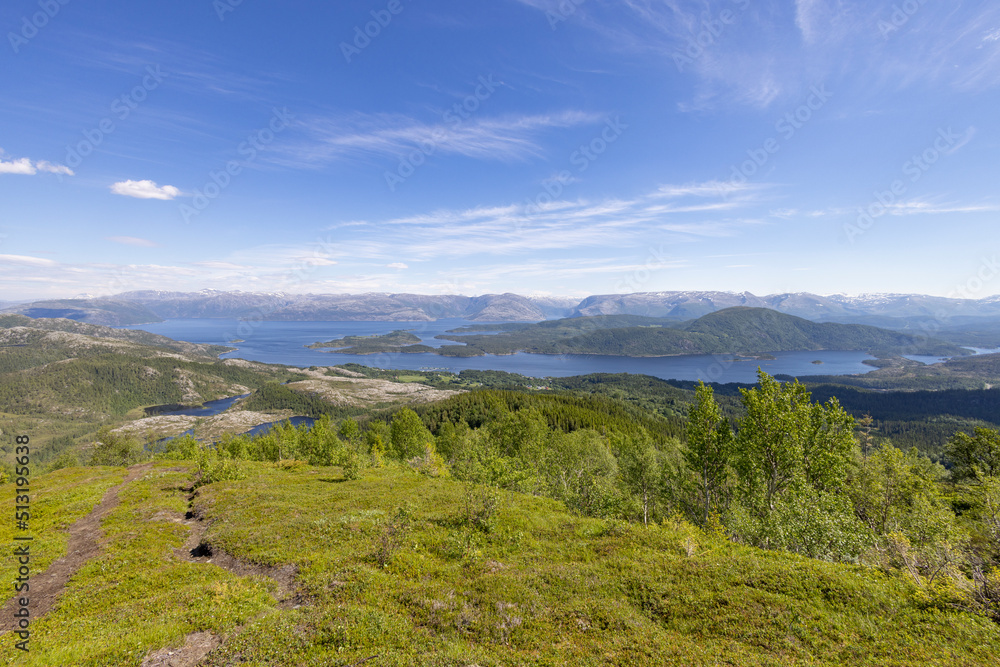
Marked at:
<point>284,343</point>
<point>207,409</point>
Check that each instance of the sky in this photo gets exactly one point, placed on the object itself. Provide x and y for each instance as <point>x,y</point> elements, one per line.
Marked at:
<point>542,147</point>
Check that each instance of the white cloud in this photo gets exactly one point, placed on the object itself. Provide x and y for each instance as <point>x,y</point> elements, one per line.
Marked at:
<point>133,241</point>
<point>397,265</point>
<point>42,165</point>
<point>145,190</point>
<point>21,166</point>
<point>24,259</point>
<point>26,167</point>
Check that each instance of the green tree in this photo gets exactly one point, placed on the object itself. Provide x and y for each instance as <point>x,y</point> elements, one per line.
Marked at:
<point>519,434</point>
<point>785,441</point>
<point>350,432</point>
<point>792,458</point>
<point>709,449</point>
<point>320,444</point>
<point>408,437</point>
<point>580,470</point>
<point>974,456</point>
<point>115,449</point>
<point>641,468</point>
<point>184,448</point>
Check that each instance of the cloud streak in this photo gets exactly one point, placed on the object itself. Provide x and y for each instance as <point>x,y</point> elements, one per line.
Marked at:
<point>362,136</point>
<point>133,241</point>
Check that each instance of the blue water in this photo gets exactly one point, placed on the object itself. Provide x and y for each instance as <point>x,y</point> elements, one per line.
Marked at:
<point>284,343</point>
<point>208,409</point>
<point>926,359</point>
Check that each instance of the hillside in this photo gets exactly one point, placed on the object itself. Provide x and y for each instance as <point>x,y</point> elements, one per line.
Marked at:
<point>61,380</point>
<point>301,566</point>
<point>736,330</point>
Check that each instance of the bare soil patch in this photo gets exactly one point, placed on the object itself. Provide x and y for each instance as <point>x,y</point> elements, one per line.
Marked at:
<point>195,648</point>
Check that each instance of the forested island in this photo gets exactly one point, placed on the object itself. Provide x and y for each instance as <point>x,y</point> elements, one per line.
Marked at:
<point>395,341</point>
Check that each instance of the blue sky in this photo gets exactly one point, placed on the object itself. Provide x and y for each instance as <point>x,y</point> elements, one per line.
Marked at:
<point>533,146</point>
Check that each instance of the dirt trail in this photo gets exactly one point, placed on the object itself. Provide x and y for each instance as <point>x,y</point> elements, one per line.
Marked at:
<point>198,645</point>
<point>84,544</point>
<point>196,550</point>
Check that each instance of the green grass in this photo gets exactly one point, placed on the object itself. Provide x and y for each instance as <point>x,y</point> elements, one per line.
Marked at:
<point>544,587</point>
<point>137,595</point>
<point>57,501</point>
<point>541,587</point>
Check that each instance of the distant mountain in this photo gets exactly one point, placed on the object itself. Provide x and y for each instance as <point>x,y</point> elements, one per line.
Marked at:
<point>684,305</point>
<point>737,330</point>
<point>153,306</point>
<point>905,312</point>
<point>114,311</point>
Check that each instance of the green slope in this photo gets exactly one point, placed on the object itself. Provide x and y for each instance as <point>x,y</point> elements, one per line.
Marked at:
<point>542,587</point>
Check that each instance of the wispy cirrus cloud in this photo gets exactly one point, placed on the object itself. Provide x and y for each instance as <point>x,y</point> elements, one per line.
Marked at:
<point>739,52</point>
<point>26,260</point>
<point>561,225</point>
<point>929,207</point>
<point>361,136</point>
<point>133,241</point>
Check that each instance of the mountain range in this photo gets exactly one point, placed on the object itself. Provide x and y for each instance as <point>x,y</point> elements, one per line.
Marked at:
<point>895,311</point>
